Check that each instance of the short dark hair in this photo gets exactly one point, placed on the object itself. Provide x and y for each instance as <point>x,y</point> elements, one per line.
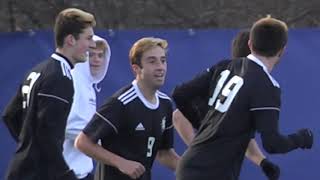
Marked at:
<point>71,21</point>
<point>268,36</point>
<point>239,47</point>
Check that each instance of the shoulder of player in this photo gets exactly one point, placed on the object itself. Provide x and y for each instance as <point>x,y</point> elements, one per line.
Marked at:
<point>165,99</point>
<point>57,68</point>
<point>162,95</point>
<point>221,64</point>
<point>51,77</point>
<point>49,72</point>
<point>260,78</point>
<point>129,93</point>
<point>126,94</point>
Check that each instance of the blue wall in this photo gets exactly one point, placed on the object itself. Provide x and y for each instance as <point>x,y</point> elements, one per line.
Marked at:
<point>189,53</point>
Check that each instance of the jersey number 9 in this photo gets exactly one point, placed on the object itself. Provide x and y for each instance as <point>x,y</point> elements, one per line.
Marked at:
<point>151,141</point>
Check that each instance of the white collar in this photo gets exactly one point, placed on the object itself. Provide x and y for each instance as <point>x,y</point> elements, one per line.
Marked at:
<point>147,103</point>
<point>265,69</point>
<point>61,59</point>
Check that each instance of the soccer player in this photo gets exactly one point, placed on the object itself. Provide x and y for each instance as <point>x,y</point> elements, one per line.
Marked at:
<point>135,124</point>
<point>199,107</point>
<point>244,98</point>
<point>86,76</point>
<point>37,115</point>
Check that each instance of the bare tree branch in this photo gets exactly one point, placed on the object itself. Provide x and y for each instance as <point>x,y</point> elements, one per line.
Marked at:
<point>299,16</point>
<point>128,14</point>
<point>12,20</point>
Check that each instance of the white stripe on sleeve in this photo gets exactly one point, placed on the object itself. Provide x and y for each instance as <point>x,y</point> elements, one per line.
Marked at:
<point>53,96</point>
<point>265,108</point>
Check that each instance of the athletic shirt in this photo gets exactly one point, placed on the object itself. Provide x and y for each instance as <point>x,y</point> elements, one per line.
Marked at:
<point>36,118</point>
<point>233,90</point>
<point>133,128</point>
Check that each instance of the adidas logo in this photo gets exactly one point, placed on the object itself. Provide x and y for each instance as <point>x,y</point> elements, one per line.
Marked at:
<point>140,127</point>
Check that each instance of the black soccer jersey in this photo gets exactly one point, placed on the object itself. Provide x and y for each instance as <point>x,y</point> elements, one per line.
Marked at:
<point>242,97</point>
<point>195,110</point>
<point>36,118</point>
<point>130,126</point>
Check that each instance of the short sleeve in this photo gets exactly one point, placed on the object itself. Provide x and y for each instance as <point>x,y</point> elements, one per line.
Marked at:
<point>265,96</point>
<point>265,105</point>
<point>107,120</point>
<point>59,88</point>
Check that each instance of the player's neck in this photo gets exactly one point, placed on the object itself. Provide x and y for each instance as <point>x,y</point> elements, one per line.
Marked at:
<point>66,53</point>
<point>269,62</point>
<point>148,92</point>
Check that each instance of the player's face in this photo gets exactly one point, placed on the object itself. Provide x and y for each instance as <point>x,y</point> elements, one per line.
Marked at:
<point>153,67</point>
<point>96,60</point>
<point>83,44</point>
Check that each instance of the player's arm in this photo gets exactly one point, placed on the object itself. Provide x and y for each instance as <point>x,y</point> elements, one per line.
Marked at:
<point>265,111</point>
<point>183,93</point>
<point>186,92</point>
<point>168,158</point>
<point>97,152</point>
<point>104,125</point>
<point>12,115</point>
<point>254,153</point>
<point>53,109</point>
<point>166,154</point>
<point>272,140</point>
<point>183,127</point>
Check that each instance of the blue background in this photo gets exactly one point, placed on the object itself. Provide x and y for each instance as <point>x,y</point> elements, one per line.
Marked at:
<point>190,52</point>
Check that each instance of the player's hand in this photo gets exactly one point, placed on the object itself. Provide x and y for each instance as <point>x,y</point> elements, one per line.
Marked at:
<point>272,171</point>
<point>131,168</point>
<point>306,138</point>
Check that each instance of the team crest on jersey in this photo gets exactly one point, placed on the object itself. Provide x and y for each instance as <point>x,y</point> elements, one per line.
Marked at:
<point>163,124</point>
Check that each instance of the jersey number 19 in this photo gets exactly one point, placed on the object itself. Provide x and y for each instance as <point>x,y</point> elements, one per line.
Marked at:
<point>229,91</point>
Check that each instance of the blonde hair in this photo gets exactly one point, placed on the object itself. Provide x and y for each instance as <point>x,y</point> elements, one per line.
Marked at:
<point>71,21</point>
<point>101,45</point>
<point>143,45</point>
